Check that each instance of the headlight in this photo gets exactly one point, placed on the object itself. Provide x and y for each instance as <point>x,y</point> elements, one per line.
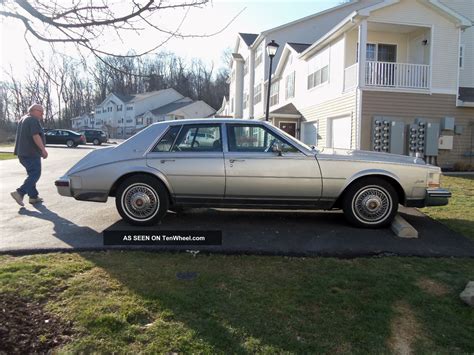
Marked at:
<point>433,180</point>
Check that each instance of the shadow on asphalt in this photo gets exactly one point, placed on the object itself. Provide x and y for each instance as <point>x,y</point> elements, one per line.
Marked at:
<point>306,233</point>
<point>64,229</point>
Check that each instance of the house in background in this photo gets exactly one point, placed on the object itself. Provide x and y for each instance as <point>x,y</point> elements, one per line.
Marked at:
<point>410,91</point>
<point>123,115</point>
<point>85,121</point>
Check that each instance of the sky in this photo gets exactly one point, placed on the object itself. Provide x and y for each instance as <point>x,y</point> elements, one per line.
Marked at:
<point>252,17</point>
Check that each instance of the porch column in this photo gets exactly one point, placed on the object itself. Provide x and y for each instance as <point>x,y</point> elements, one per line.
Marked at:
<point>239,86</point>
<point>251,81</point>
<point>362,51</point>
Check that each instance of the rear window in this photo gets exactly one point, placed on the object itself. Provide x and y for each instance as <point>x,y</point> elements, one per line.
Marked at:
<point>165,143</point>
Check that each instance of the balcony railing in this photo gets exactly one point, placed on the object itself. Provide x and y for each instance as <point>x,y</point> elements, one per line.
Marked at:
<point>390,75</point>
<point>397,75</point>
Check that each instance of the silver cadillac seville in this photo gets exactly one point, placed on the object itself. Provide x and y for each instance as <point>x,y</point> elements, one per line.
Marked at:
<point>247,164</point>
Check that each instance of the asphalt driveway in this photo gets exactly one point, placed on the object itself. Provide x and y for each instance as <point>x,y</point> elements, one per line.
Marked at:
<point>64,224</point>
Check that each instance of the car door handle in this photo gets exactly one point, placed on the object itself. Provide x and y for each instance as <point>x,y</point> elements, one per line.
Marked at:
<point>162,161</point>
<point>234,160</point>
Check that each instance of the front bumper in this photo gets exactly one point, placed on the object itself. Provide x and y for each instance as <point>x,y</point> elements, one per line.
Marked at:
<point>433,197</point>
<point>437,197</point>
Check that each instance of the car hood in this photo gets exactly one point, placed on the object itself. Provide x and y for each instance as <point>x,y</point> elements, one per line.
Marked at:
<point>365,155</point>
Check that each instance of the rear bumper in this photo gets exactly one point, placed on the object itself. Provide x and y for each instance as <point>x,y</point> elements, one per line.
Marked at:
<point>433,197</point>
<point>64,188</point>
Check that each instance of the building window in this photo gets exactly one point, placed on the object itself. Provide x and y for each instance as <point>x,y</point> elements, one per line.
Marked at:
<point>274,91</point>
<point>257,97</point>
<point>129,108</point>
<point>246,66</point>
<point>461,56</point>
<point>319,77</point>
<point>258,55</point>
<point>290,86</point>
<point>119,107</point>
<point>139,120</point>
<point>129,121</point>
<point>149,120</point>
<point>109,109</point>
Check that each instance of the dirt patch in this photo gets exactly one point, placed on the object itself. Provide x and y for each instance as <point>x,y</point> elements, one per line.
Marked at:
<point>432,287</point>
<point>405,329</point>
<point>25,327</point>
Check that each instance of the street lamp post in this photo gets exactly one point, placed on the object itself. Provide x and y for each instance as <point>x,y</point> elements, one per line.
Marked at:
<point>272,48</point>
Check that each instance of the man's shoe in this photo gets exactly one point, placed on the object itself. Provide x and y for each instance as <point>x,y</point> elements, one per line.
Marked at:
<point>17,197</point>
<point>35,200</point>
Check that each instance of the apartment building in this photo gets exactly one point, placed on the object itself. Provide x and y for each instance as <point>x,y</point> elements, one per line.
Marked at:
<point>123,115</point>
<point>410,91</point>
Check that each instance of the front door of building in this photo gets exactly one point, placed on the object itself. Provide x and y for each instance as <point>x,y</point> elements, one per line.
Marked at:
<point>289,127</point>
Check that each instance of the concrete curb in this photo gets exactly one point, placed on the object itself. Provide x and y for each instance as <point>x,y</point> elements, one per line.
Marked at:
<point>402,228</point>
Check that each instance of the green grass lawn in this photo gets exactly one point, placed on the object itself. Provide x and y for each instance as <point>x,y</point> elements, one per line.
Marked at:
<point>459,214</point>
<point>132,302</point>
<point>5,156</point>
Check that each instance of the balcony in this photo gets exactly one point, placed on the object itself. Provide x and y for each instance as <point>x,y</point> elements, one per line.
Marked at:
<point>397,75</point>
<point>389,75</point>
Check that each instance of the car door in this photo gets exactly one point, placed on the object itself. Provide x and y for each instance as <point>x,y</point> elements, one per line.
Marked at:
<point>52,136</point>
<point>254,171</point>
<point>194,169</point>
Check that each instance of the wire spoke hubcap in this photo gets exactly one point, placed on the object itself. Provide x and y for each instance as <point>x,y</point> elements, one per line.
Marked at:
<point>140,201</point>
<point>372,204</point>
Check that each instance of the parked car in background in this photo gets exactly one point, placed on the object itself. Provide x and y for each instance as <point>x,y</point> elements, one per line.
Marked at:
<point>250,164</point>
<point>64,136</point>
<point>94,136</point>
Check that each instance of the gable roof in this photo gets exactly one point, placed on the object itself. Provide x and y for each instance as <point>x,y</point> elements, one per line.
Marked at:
<point>131,98</point>
<point>296,48</point>
<point>299,47</point>
<point>303,19</point>
<point>342,26</point>
<point>248,38</point>
<point>288,109</point>
<point>163,110</point>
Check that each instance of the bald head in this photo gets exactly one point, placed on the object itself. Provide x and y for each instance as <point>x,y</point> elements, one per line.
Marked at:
<point>36,110</point>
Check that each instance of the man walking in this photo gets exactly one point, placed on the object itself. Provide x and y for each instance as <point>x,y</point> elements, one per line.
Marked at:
<point>29,147</point>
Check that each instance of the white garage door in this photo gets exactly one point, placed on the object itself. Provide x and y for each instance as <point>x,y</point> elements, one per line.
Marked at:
<point>340,132</point>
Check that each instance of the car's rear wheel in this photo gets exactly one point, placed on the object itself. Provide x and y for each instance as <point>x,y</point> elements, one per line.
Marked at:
<point>142,200</point>
<point>70,143</point>
<point>96,141</point>
<point>370,203</point>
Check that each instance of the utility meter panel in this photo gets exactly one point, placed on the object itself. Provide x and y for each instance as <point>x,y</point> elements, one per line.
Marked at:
<point>388,135</point>
<point>416,138</point>
<point>432,139</point>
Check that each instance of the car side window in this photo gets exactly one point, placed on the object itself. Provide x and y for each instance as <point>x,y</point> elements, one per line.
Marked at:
<point>199,138</point>
<point>254,138</point>
<point>165,143</point>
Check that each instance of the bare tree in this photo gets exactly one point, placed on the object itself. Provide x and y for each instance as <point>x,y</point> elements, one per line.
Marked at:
<point>83,22</point>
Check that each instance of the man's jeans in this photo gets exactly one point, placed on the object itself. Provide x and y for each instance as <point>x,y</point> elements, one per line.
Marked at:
<point>33,169</point>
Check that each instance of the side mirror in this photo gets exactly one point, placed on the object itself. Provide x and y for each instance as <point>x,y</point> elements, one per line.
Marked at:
<point>276,148</point>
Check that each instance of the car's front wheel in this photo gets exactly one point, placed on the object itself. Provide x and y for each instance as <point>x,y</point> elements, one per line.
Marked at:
<point>96,141</point>
<point>142,200</point>
<point>370,203</point>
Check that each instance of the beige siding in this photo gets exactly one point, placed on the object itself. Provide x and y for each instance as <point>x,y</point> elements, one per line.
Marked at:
<point>342,106</point>
<point>445,38</point>
<point>406,107</point>
<point>465,8</point>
